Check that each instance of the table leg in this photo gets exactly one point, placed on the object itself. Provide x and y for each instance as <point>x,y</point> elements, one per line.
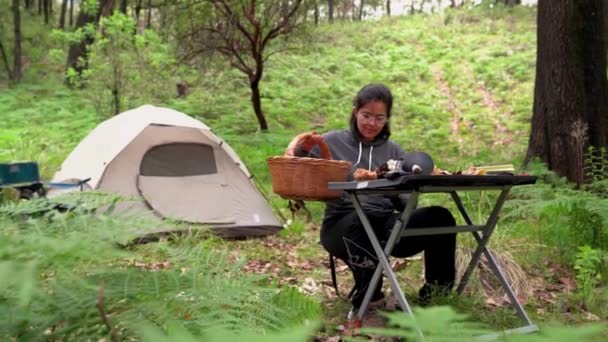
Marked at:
<point>491,260</point>
<point>382,255</point>
<point>487,233</point>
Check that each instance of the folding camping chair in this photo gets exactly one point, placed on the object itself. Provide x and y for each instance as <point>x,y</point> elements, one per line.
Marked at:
<point>25,178</point>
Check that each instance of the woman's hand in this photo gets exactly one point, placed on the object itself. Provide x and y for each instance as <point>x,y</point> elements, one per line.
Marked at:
<point>363,175</point>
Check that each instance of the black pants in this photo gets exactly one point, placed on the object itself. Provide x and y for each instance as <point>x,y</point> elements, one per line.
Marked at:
<point>346,239</point>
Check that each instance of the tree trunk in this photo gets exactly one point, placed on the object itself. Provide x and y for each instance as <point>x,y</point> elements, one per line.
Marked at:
<point>71,13</point>
<point>40,6</point>
<point>123,6</point>
<point>330,10</point>
<point>27,4</point>
<point>571,89</point>
<point>606,26</point>
<point>116,90</point>
<point>388,8</point>
<point>254,82</point>
<point>78,50</point>
<point>164,19</point>
<point>512,2</point>
<point>149,15</point>
<point>316,13</point>
<point>257,104</point>
<point>361,4</point>
<point>17,65</point>
<point>6,63</point>
<point>106,8</point>
<point>45,4</point>
<point>137,13</point>
<point>64,5</point>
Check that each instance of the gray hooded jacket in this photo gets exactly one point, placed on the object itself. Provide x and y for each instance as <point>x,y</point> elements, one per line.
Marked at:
<point>347,145</point>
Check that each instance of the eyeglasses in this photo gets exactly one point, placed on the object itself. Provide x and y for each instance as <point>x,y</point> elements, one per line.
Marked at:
<point>369,117</point>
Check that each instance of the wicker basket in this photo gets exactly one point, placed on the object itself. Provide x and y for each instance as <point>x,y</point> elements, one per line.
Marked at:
<point>300,178</point>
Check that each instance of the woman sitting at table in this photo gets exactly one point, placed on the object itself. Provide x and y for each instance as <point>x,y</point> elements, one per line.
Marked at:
<point>366,144</point>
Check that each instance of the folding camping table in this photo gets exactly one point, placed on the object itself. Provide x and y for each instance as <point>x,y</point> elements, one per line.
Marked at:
<point>451,184</point>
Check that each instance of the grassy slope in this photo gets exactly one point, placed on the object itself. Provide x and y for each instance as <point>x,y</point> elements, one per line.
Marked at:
<point>475,64</point>
<point>312,85</point>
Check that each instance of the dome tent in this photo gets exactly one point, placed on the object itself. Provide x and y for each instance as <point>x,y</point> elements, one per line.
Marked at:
<point>176,168</point>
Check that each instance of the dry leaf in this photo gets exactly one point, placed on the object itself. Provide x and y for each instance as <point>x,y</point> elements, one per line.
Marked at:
<point>591,317</point>
<point>569,283</point>
<point>399,264</point>
<point>491,301</point>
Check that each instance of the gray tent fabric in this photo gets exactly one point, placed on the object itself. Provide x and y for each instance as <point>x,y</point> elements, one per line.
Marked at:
<point>167,196</point>
<point>178,160</point>
<point>176,167</point>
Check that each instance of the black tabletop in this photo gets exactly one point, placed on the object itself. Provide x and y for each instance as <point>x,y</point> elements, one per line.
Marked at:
<point>414,182</point>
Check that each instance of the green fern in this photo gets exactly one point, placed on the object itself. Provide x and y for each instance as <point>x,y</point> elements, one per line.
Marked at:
<point>560,216</point>
<point>52,266</point>
<point>596,163</point>
<point>443,323</point>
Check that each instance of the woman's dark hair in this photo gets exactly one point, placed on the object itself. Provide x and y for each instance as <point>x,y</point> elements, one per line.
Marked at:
<point>369,93</point>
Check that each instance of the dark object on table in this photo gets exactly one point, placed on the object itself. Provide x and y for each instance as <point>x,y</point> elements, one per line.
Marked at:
<point>412,163</point>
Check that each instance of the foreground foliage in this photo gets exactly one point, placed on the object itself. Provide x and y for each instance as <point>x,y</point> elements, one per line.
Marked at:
<point>73,275</point>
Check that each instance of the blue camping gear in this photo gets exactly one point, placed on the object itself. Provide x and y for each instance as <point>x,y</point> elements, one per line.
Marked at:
<point>25,178</point>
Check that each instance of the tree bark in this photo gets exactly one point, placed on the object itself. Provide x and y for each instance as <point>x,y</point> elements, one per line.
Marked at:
<point>71,13</point>
<point>606,26</point>
<point>45,6</point>
<point>257,104</point>
<point>137,12</point>
<point>571,89</point>
<point>17,65</point>
<point>123,6</point>
<point>116,91</point>
<point>361,5</point>
<point>64,5</point>
<point>330,10</point>
<point>6,63</point>
<point>78,50</point>
<point>316,13</point>
<point>388,8</point>
<point>149,15</point>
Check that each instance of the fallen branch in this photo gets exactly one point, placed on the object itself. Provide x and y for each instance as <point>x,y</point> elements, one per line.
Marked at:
<point>102,312</point>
